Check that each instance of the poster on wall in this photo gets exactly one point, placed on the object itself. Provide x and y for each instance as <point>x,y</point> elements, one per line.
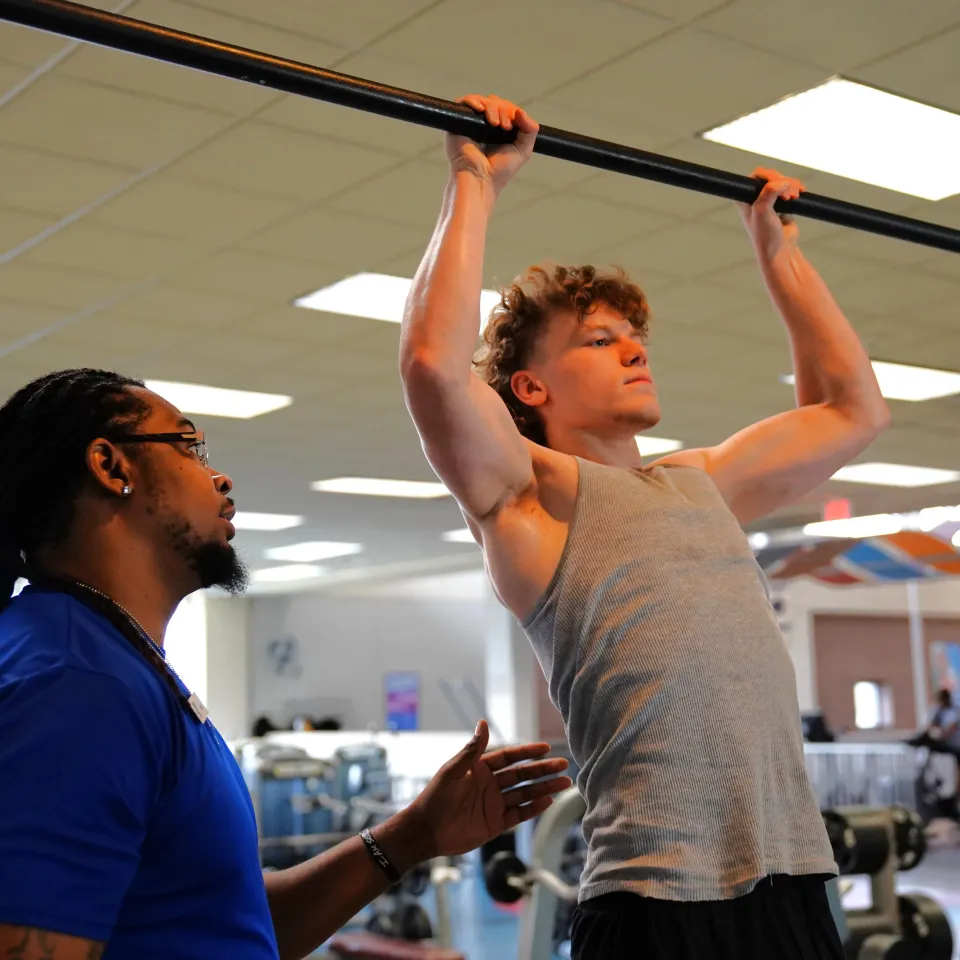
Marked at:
<point>945,667</point>
<point>402,694</point>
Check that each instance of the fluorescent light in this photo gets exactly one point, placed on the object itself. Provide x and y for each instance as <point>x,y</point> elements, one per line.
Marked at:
<point>244,520</point>
<point>652,446</point>
<point>296,571</point>
<point>313,551</point>
<point>376,296</point>
<point>899,381</point>
<point>875,525</point>
<point>895,475</point>
<point>758,541</point>
<point>217,401</point>
<point>458,536</point>
<point>371,487</point>
<point>955,539</point>
<point>858,132</point>
<point>932,517</point>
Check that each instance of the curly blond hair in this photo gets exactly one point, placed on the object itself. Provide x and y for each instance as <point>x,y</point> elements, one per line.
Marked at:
<point>526,305</point>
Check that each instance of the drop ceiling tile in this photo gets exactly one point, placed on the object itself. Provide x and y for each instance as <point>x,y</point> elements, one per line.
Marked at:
<point>336,21</point>
<point>257,274</point>
<point>751,79</point>
<point>319,334</point>
<point>20,319</point>
<point>184,306</point>
<point>413,192</point>
<point>79,119</point>
<point>45,183</point>
<point>26,47</point>
<point>327,235</point>
<point>57,286</point>
<point>273,161</point>
<point>56,352</point>
<point>871,246</point>
<point>686,250</point>
<point>119,332</point>
<point>566,227</point>
<point>647,195</point>
<point>903,292</point>
<point>537,30</point>
<point>835,37</point>
<point>170,207</point>
<point>169,82</point>
<point>109,250</point>
<point>679,10</point>
<point>19,226</point>
<point>229,350</point>
<point>928,71</point>
<point>702,302</point>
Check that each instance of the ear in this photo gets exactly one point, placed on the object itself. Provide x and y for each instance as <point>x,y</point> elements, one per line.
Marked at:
<point>110,469</point>
<point>528,388</point>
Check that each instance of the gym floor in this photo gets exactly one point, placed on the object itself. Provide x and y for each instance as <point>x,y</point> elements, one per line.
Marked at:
<point>483,931</point>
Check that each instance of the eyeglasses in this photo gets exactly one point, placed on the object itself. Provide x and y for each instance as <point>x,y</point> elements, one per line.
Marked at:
<point>194,440</point>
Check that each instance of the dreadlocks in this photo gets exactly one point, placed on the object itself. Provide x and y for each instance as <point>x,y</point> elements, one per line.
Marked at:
<point>45,429</point>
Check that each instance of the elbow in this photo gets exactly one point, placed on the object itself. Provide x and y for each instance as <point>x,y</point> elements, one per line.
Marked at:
<point>879,417</point>
<point>422,369</point>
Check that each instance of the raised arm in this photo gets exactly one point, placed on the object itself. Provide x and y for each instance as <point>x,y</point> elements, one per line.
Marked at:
<point>467,432</point>
<point>840,409</point>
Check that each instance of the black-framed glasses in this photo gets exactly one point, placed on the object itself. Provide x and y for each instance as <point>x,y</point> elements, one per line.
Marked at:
<point>195,441</point>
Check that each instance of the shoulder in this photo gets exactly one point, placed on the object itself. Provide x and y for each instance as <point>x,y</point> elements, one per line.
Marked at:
<point>49,638</point>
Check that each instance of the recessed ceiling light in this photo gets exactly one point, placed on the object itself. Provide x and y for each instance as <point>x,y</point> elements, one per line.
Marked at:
<point>458,536</point>
<point>858,132</point>
<point>313,551</point>
<point>758,540</point>
<point>376,296</point>
<point>930,518</point>
<point>653,446</point>
<point>296,571</point>
<point>217,401</point>
<point>895,475</point>
<point>900,381</point>
<point>875,525</point>
<point>244,520</point>
<point>371,487</point>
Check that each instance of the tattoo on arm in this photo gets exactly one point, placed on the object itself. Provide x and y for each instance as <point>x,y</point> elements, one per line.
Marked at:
<point>30,943</point>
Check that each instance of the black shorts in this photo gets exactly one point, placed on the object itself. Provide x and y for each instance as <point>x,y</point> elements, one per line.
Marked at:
<point>783,918</point>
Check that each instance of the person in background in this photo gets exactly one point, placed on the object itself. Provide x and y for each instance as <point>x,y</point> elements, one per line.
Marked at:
<point>126,830</point>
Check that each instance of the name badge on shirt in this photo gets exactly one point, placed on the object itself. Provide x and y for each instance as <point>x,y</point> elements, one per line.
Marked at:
<point>199,710</point>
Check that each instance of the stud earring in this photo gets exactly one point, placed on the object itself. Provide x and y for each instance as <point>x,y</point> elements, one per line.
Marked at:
<point>126,491</point>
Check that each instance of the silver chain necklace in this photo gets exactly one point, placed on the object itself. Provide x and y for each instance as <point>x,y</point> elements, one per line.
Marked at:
<point>193,701</point>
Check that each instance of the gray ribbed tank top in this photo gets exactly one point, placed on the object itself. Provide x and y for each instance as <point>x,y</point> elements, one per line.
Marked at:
<point>663,655</point>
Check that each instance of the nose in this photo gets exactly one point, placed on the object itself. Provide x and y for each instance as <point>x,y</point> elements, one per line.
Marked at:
<point>223,483</point>
<point>634,354</point>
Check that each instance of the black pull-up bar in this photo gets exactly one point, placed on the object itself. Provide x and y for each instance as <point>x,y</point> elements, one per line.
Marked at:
<point>211,56</point>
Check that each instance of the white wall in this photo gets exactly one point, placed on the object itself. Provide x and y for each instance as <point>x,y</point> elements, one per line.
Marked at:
<point>228,665</point>
<point>185,643</point>
<point>347,640</point>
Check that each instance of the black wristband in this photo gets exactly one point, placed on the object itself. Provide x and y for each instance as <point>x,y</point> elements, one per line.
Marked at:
<point>379,857</point>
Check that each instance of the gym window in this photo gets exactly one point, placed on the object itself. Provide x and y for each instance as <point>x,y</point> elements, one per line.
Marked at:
<point>872,705</point>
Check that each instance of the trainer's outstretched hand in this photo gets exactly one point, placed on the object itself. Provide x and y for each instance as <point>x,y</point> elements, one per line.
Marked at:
<point>772,233</point>
<point>496,163</point>
<point>476,796</point>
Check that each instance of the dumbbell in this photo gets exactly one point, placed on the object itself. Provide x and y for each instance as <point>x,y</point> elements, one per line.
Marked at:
<point>887,946</point>
<point>910,838</point>
<point>925,924</point>
<point>406,920</point>
<point>508,879</point>
<point>860,842</point>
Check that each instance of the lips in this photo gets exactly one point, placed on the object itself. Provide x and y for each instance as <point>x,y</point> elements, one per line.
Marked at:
<point>229,513</point>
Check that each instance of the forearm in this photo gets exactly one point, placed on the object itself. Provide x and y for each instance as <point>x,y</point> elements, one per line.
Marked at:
<point>313,900</point>
<point>830,363</point>
<point>442,316</point>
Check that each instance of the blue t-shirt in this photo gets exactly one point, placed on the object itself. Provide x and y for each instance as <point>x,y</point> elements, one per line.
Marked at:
<point>122,818</point>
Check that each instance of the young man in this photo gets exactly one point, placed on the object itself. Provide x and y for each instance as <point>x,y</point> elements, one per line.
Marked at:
<point>125,825</point>
<point>635,584</point>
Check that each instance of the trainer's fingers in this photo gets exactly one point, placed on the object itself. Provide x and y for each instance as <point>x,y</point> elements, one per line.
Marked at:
<point>507,756</point>
<point>493,112</point>
<point>530,771</point>
<point>517,815</point>
<point>534,791</point>
<point>525,122</point>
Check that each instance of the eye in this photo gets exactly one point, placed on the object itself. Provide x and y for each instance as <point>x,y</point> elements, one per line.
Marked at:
<point>599,341</point>
<point>195,447</point>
